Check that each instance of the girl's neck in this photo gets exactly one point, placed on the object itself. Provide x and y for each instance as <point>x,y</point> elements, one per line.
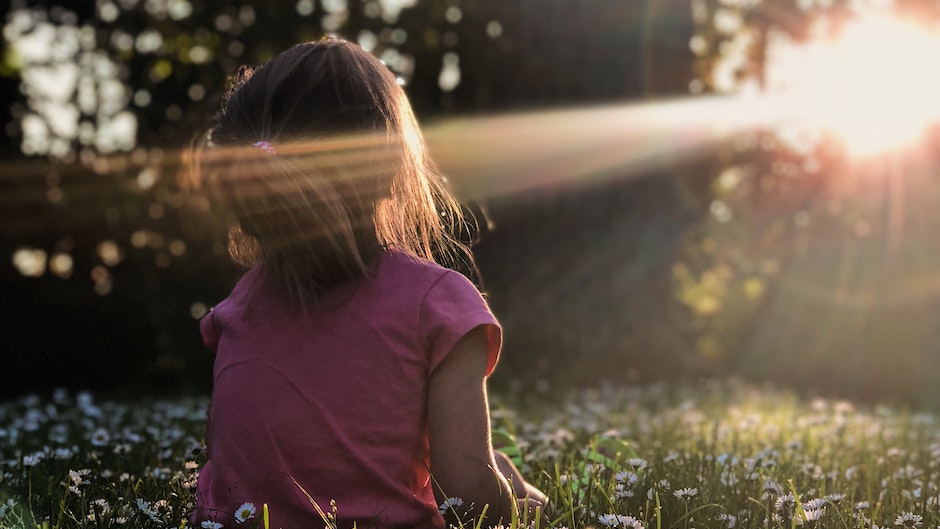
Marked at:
<point>369,246</point>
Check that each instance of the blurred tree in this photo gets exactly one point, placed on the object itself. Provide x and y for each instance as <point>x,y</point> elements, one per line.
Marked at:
<point>798,274</point>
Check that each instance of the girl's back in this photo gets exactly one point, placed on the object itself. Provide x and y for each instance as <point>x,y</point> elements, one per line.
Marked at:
<point>334,401</point>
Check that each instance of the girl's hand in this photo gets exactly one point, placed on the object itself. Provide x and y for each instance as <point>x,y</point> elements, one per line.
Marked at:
<point>523,490</point>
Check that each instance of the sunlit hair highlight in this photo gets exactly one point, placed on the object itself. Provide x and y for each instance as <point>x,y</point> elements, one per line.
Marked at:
<point>344,172</point>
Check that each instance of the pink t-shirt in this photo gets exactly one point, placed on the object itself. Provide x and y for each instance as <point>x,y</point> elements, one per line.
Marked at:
<point>336,399</point>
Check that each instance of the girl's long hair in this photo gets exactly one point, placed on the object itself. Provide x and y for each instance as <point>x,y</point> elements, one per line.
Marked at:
<point>318,161</point>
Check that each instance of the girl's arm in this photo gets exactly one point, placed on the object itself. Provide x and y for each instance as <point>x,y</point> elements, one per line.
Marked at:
<point>463,464</point>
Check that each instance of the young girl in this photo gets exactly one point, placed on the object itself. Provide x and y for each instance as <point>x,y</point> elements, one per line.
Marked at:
<point>350,367</point>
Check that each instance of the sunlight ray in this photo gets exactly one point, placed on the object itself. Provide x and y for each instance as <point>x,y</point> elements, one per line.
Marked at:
<point>507,154</point>
<point>503,154</point>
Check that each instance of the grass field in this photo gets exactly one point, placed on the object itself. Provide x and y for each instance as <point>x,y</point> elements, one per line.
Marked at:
<point>720,455</point>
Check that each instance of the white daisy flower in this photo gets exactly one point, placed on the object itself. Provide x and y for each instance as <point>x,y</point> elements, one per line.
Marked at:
<point>448,504</point>
<point>836,498</point>
<point>620,520</point>
<point>730,520</point>
<point>625,476</point>
<point>32,460</point>
<point>100,437</point>
<point>686,493</point>
<point>785,501</point>
<point>78,476</point>
<point>810,515</point>
<point>102,505</point>
<point>209,524</point>
<point>637,463</point>
<point>727,478</point>
<point>245,512</point>
<point>816,503</point>
<point>149,511</point>
<point>621,491</point>
<point>5,507</point>
<point>909,519</point>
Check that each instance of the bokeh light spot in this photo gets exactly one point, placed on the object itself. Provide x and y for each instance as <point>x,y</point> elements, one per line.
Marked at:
<point>453,14</point>
<point>150,41</point>
<point>177,248</point>
<point>163,260</point>
<point>142,98</point>
<point>55,195</point>
<point>102,279</point>
<point>372,10</point>
<point>247,16</point>
<point>198,309</point>
<point>236,48</point>
<point>108,12</point>
<point>398,36</point>
<point>449,77</point>
<point>30,262</point>
<point>61,265</point>
<point>200,54</point>
<point>147,177</point>
<point>494,29</point>
<point>179,9</point>
<point>305,7</point>
<point>110,253</point>
<point>367,40</point>
<point>140,239</point>
<point>156,211</point>
<point>223,23</point>
<point>720,211</point>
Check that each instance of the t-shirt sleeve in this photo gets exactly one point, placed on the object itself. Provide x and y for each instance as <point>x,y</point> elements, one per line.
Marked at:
<point>452,308</point>
<point>209,330</point>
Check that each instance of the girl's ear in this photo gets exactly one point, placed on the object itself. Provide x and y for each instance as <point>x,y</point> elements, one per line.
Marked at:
<point>243,247</point>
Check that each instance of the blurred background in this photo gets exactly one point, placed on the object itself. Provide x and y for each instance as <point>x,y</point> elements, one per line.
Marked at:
<point>667,189</point>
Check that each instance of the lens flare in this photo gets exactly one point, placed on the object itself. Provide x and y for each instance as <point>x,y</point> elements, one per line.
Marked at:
<point>870,86</point>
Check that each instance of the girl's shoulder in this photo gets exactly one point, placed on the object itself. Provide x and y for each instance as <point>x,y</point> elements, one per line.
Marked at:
<point>416,274</point>
<point>412,276</point>
<point>402,263</point>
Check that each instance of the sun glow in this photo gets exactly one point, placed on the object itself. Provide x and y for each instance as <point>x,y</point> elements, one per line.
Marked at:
<point>873,85</point>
